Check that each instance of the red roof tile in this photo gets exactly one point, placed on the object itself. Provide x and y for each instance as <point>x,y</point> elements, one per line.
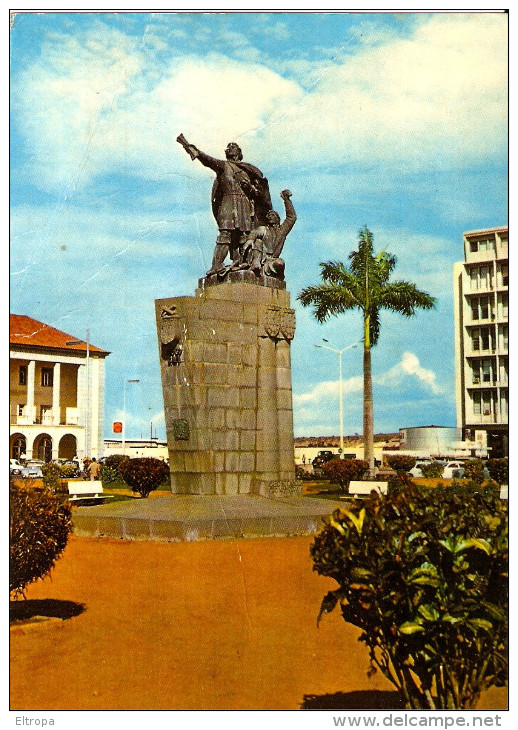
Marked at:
<point>31,333</point>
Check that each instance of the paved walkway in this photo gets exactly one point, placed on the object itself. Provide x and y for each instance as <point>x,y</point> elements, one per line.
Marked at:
<point>178,518</point>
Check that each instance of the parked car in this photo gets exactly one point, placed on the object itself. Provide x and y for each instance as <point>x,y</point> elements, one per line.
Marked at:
<point>15,467</point>
<point>73,464</point>
<point>322,458</point>
<point>453,470</point>
<point>32,470</point>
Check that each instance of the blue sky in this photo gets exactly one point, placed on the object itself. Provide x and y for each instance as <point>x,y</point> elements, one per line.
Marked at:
<point>397,121</point>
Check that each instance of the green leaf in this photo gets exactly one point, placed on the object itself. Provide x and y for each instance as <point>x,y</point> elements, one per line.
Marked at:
<point>448,544</point>
<point>410,627</point>
<point>481,624</point>
<point>337,526</point>
<point>473,542</point>
<point>329,602</point>
<point>448,619</point>
<point>494,611</point>
<point>429,613</point>
<point>415,535</point>
<point>361,574</point>
<point>357,521</point>
<point>425,575</point>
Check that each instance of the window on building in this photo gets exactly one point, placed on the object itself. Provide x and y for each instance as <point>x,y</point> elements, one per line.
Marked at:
<point>19,447</point>
<point>504,338</point>
<point>480,339</point>
<point>484,307</point>
<point>23,375</point>
<point>486,402</point>
<point>484,277</point>
<point>504,402</point>
<point>504,370</point>
<point>484,338</point>
<point>20,408</point>
<point>505,305</point>
<point>47,377</point>
<point>505,274</point>
<point>473,277</point>
<point>486,371</point>
<point>477,403</point>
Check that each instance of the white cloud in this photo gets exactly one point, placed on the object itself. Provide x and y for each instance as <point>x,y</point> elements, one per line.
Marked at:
<point>97,104</point>
<point>327,389</point>
<point>409,366</point>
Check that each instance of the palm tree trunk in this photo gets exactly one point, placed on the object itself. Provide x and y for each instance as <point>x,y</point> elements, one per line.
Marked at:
<point>368,419</point>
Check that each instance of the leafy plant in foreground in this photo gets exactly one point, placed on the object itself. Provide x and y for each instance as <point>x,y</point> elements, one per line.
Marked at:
<point>424,575</point>
<point>38,533</point>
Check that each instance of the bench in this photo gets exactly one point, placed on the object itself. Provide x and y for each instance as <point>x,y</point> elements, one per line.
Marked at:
<point>80,491</point>
<point>363,489</point>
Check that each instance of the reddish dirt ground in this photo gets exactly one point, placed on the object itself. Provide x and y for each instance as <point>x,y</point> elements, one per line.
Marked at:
<point>205,625</point>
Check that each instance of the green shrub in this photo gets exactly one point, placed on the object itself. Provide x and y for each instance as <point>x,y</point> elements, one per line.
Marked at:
<point>343,471</point>
<point>474,470</point>
<point>143,474</point>
<point>51,476</point>
<point>424,575</point>
<point>400,463</point>
<point>39,527</point>
<point>109,475</point>
<point>114,460</point>
<point>432,469</point>
<point>67,471</point>
<point>395,482</point>
<point>498,470</point>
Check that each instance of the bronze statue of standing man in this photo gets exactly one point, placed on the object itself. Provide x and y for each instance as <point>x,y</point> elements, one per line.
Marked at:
<point>240,202</point>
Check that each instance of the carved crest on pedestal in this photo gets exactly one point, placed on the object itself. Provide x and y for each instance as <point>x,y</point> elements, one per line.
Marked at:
<point>279,322</point>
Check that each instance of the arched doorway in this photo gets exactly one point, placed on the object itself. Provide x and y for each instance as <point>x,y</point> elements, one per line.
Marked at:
<point>67,447</point>
<point>18,446</point>
<point>42,448</point>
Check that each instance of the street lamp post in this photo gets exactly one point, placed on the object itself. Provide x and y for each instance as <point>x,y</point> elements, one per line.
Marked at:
<point>124,415</point>
<point>87,377</point>
<point>340,387</point>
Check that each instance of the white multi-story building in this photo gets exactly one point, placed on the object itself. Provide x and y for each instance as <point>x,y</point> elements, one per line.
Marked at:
<point>481,301</point>
<point>56,393</point>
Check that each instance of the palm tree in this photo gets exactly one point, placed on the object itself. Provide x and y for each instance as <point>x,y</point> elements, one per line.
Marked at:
<point>365,286</point>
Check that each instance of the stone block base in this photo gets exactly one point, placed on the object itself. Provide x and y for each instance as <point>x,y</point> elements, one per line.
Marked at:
<point>226,379</point>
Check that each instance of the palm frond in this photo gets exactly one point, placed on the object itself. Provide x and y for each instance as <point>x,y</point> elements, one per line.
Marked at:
<point>334,271</point>
<point>404,297</point>
<point>374,327</point>
<point>327,300</point>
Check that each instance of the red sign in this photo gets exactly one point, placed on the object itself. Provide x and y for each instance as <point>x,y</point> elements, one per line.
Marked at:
<point>117,427</point>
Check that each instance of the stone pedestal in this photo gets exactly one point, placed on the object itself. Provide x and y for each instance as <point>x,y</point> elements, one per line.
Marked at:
<point>226,379</point>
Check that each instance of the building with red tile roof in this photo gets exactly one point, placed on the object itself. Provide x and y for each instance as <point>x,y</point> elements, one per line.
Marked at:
<point>56,392</point>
